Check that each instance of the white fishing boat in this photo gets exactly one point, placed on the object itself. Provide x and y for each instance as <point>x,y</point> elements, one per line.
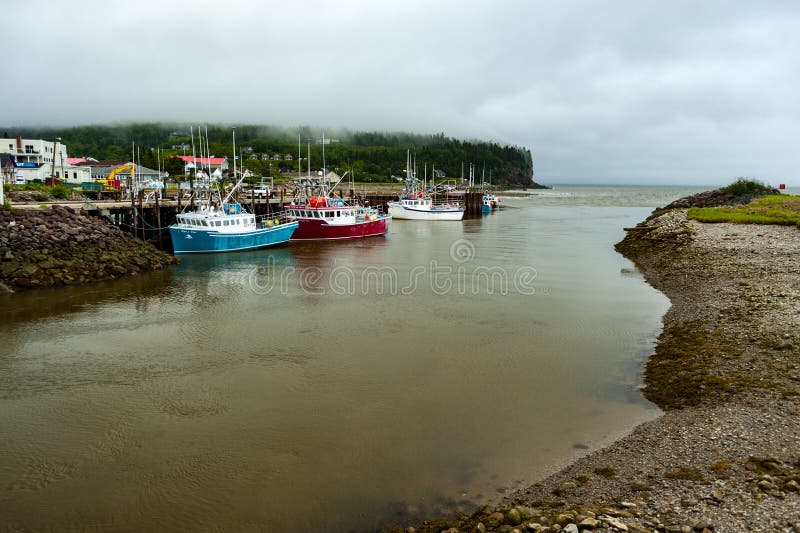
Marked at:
<point>416,204</point>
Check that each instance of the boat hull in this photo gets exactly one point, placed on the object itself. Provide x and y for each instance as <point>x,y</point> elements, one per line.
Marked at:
<point>190,240</point>
<point>485,208</point>
<point>396,210</point>
<point>319,230</point>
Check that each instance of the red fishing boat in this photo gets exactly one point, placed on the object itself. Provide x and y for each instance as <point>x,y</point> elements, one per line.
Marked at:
<point>321,217</point>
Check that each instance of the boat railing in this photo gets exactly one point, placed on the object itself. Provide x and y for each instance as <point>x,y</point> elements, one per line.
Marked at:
<point>446,204</point>
<point>273,219</point>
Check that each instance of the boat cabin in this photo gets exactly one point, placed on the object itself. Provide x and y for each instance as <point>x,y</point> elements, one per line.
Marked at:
<point>229,219</point>
<point>333,211</point>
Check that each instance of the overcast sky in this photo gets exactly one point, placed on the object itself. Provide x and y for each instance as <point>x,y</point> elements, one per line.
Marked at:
<point>609,92</point>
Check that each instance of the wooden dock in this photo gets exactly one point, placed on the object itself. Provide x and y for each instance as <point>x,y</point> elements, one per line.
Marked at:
<point>149,220</point>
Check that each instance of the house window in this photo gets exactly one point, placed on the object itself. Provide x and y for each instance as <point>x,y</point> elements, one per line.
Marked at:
<point>28,148</point>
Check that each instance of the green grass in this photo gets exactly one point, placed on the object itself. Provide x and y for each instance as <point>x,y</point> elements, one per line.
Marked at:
<point>774,209</point>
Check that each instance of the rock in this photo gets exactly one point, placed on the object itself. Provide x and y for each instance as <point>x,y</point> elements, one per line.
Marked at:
<point>513,517</point>
<point>612,522</point>
<point>564,519</point>
<point>570,528</point>
<point>766,485</point>
<point>495,519</point>
<point>688,502</point>
<point>480,528</point>
<point>525,513</point>
<point>636,528</point>
<point>639,486</point>
<point>589,523</point>
<point>792,486</point>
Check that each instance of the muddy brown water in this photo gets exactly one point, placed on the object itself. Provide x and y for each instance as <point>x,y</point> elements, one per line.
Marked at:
<point>339,386</point>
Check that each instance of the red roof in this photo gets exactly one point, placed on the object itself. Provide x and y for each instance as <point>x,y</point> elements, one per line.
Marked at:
<point>75,160</point>
<point>202,160</point>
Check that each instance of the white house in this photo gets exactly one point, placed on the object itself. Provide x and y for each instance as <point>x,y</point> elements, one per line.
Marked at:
<point>27,160</point>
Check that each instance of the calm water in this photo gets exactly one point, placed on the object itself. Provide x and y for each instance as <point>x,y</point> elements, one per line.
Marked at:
<point>333,385</point>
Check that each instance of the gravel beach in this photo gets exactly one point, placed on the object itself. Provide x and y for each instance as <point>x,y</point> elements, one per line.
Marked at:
<point>725,455</point>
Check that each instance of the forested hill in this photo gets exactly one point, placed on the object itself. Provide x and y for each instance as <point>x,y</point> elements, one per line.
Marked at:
<point>370,156</point>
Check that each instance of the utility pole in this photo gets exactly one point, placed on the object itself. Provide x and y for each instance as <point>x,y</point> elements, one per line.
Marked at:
<point>53,166</point>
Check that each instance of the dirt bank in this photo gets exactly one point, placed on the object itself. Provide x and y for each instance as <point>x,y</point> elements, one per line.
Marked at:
<point>725,456</point>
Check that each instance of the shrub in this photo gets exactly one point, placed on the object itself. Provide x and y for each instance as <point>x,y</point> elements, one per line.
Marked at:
<point>62,192</point>
<point>748,187</point>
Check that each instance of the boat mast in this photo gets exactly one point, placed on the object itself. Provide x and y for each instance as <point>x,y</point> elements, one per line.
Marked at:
<point>323,155</point>
<point>228,196</point>
<point>234,151</point>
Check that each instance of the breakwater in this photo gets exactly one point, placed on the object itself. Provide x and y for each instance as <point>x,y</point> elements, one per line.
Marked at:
<point>60,246</point>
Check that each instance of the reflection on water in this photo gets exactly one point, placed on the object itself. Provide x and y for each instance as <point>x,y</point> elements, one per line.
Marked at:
<point>333,386</point>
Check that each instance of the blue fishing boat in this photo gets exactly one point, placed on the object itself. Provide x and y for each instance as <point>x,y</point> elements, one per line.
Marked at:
<point>208,229</point>
<point>222,225</point>
<point>486,204</point>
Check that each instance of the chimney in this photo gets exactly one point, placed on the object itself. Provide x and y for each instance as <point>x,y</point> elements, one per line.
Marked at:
<point>19,144</point>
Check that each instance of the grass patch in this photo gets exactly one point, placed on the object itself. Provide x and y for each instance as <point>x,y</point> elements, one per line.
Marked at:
<point>722,468</point>
<point>774,209</point>
<point>685,473</point>
<point>606,471</point>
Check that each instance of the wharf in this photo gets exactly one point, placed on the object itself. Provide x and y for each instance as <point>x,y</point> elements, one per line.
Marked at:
<point>150,219</point>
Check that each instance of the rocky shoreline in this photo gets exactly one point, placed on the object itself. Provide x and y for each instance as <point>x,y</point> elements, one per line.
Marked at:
<point>59,246</point>
<point>725,455</point>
